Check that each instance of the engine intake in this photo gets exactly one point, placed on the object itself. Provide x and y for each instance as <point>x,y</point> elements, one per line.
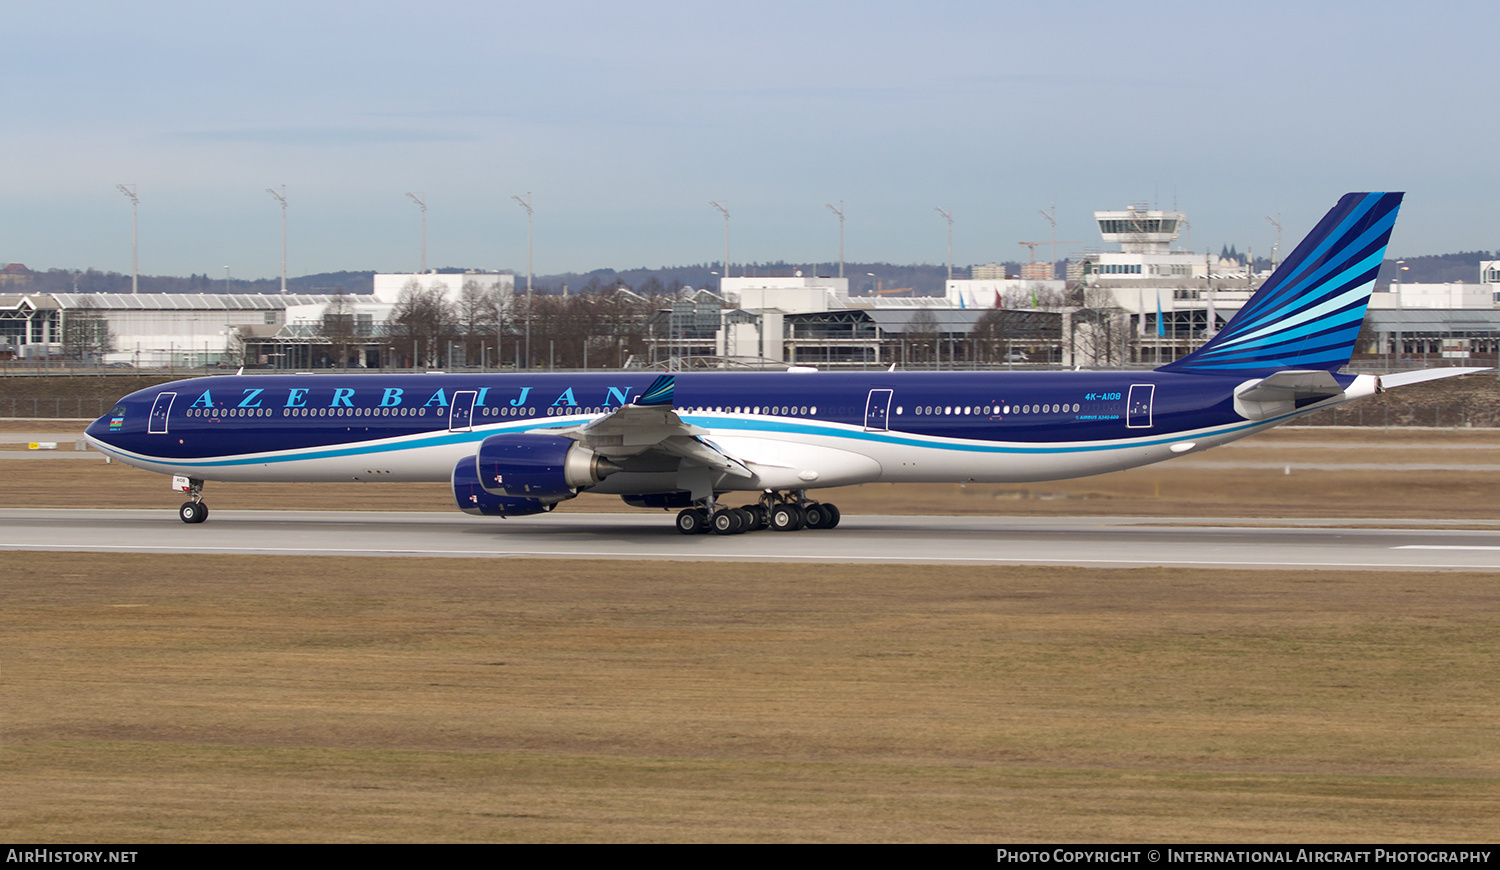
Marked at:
<point>546,467</point>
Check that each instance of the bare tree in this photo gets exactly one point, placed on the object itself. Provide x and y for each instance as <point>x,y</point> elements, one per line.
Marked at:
<point>480,314</point>
<point>1098,329</point>
<point>621,326</point>
<point>992,334</point>
<point>338,328</point>
<point>565,323</point>
<point>234,347</point>
<point>422,323</point>
<point>85,333</point>
<point>1034,296</point>
<point>922,336</point>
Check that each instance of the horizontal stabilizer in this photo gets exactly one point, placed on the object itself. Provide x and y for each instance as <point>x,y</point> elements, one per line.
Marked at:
<point>1282,393</point>
<point>1406,379</point>
<point>1295,386</point>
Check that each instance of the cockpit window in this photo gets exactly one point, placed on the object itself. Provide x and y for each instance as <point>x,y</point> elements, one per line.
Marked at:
<point>117,411</point>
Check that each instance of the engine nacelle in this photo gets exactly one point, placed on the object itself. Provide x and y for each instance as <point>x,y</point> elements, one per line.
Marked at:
<point>546,467</point>
<point>472,498</point>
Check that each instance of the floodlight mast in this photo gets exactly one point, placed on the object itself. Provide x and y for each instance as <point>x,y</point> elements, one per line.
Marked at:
<point>526,204</point>
<point>724,210</point>
<point>949,218</point>
<point>129,191</point>
<point>281,198</point>
<point>422,204</point>
<point>840,212</point>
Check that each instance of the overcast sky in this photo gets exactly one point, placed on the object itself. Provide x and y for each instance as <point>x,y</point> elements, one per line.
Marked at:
<point>623,120</point>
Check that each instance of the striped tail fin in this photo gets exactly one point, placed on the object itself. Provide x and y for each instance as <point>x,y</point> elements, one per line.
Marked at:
<point>1309,313</point>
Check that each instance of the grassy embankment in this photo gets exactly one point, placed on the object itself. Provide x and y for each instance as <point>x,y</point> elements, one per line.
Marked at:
<point>228,698</point>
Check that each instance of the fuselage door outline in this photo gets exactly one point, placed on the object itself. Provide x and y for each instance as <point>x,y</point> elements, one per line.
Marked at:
<point>461,414</point>
<point>1138,409</point>
<point>160,410</point>
<point>878,411</point>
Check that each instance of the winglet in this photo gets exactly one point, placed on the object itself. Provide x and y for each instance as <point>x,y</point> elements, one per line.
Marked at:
<point>659,393</point>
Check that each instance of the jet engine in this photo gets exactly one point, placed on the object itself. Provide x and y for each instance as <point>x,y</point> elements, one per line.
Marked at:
<point>546,467</point>
<point>473,499</point>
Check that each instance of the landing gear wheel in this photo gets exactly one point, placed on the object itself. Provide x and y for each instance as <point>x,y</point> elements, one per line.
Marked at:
<point>193,512</point>
<point>786,518</point>
<point>822,516</point>
<point>728,522</point>
<point>751,516</point>
<point>689,522</point>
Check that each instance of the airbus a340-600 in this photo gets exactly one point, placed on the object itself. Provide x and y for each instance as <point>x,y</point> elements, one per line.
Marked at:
<point>517,444</point>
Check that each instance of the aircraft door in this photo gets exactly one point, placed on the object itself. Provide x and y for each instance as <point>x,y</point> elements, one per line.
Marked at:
<point>159,411</point>
<point>878,411</point>
<point>1138,410</point>
<point>461,413</point>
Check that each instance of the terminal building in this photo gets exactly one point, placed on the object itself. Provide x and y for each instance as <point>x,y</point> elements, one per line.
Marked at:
<point>199,330</point>
<point>1143,302</point>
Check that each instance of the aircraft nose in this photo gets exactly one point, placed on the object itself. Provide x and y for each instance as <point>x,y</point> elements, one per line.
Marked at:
<point>110,423</point>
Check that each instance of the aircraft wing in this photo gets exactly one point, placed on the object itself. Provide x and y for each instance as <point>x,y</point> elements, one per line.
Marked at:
<point>650,424</point>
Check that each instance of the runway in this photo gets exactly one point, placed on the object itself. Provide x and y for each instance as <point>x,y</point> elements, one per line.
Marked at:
<point>1092,541</point>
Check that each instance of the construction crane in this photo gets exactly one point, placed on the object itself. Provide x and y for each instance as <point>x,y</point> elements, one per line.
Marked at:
<point>1030,271</point>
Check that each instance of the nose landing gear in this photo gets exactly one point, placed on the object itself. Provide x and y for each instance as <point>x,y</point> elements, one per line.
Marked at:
<point>194,511</point>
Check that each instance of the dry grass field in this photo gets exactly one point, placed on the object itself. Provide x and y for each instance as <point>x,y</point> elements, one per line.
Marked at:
<point>307,699</point>
<point>151,698</point>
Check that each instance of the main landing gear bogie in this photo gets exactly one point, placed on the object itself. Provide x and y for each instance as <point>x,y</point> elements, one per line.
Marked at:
<point>770,513</point>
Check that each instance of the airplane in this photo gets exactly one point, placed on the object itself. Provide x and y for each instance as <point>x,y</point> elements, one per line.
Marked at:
<point>512,445</point>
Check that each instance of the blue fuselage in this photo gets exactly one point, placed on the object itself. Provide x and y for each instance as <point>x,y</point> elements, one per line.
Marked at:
<point>944,426</point>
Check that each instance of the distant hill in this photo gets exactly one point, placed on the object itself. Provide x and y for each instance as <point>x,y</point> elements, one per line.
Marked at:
<point>1437,268</point>
<point>923,279</point>
<point>94,281</point>
<point>864,278</point>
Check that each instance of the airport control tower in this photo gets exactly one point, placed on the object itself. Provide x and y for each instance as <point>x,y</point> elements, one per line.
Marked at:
<point>1141,231</point>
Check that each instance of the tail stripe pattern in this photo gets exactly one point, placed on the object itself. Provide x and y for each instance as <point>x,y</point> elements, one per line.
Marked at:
<point>660,391</point>
<point>1309,313</point>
